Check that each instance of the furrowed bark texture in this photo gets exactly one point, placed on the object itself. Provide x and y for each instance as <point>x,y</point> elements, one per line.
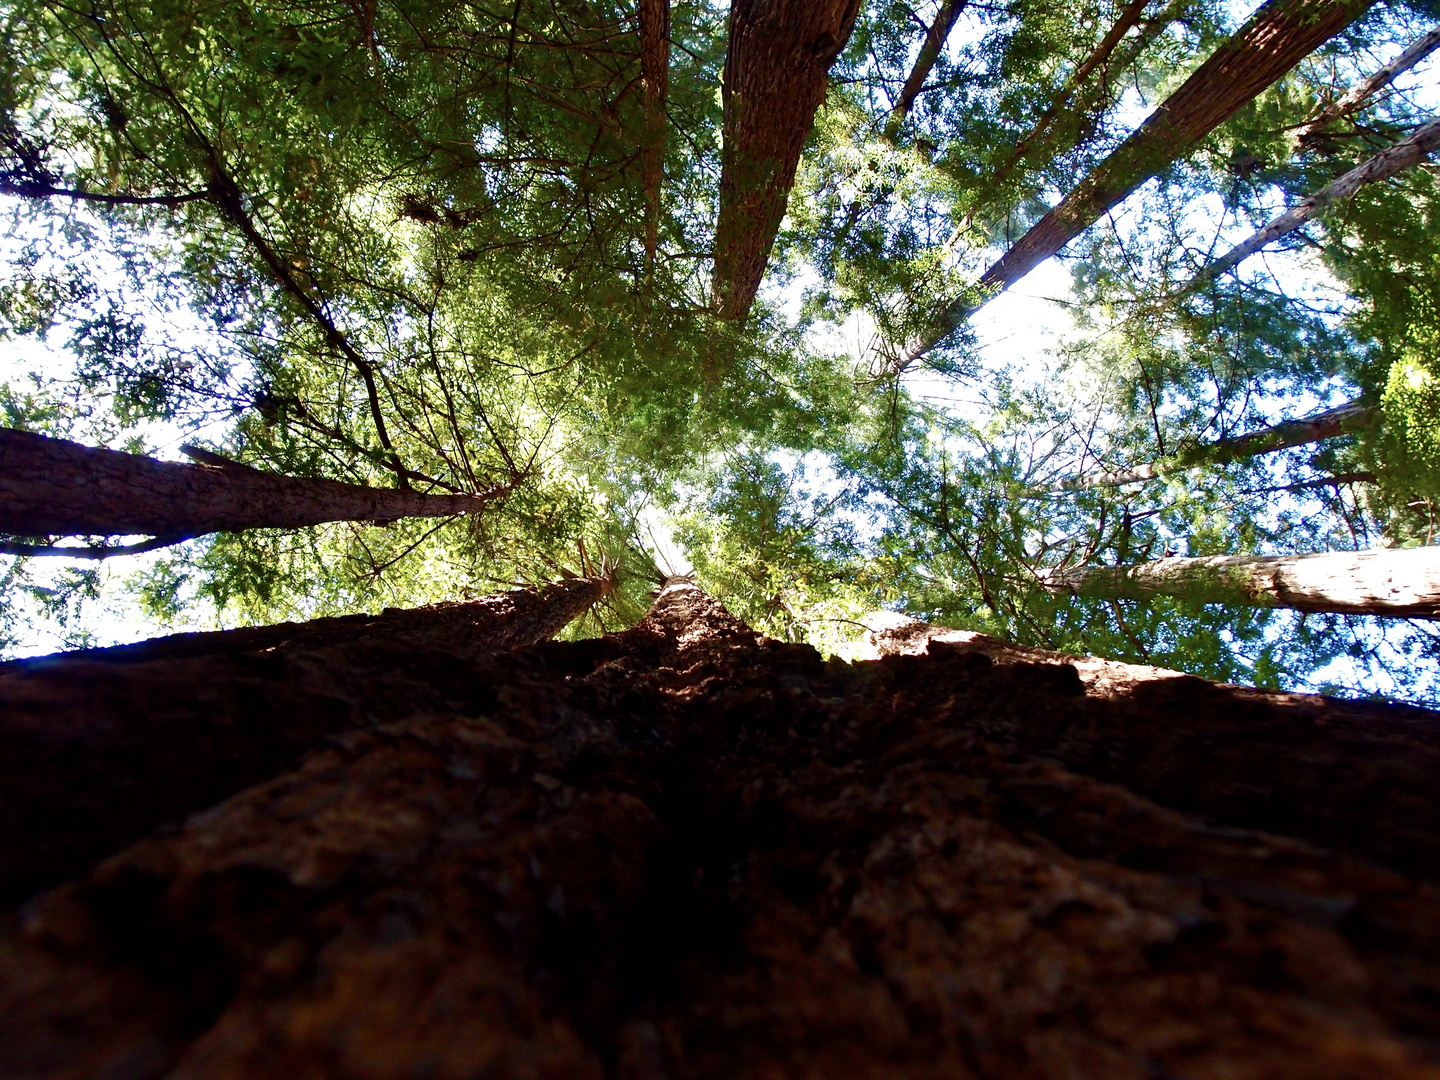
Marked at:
<point>1331,423</point>
<point>685,851</point>
<point>102,746</point>
<point>655,70</point>
<point>779,54</point>
<point>54,486</point>
<point>1401,582</point>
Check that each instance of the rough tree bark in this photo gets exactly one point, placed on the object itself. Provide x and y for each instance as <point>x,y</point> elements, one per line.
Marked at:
<point>686,851</point>
<point>1409,151</point>
<point>1401,582</point>
<point>1331,423</point>
<point>779,54</point>
<point>655,71</point>
<point>1276,38</point>
<point>103,745</point>
<point>1314,129</point>
<point>57,487</point>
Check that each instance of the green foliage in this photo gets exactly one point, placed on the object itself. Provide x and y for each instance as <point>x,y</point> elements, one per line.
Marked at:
<point>229,221</point>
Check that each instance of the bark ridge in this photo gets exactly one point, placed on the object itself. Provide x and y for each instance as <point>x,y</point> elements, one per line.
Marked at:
<point>688,851</point>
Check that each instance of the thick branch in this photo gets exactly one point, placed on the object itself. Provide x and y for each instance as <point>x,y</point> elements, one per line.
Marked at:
<point>1387,163</point>
<point>1274,40</point>
<point>1342,420</point>
<point>1098,56</point>
<point>1363,91</point>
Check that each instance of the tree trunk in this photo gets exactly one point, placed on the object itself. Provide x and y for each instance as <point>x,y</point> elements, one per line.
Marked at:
<point>655,71</point>
<point>687,851</point>
<point>779,54</point>
<point>56,487</point>
<point>1393,159</point>
<point>1314,129</point>
<point>1402,582</point>
<point>930,49</point>
<point>103,745</point>
<point>1274,40</point>
<point>1098,56</point>
<point>1341,420</point>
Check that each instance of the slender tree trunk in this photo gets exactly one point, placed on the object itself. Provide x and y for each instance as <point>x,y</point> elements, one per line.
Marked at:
<point>930,49</point>
<point>775,70</point>
<point>685,850</point>
<point>56,487</point>
<point>1274,40</point>
<point>1098,57</point>
<point>655,70</point>
<point>1393,159</point>
<point>1314,128</point>
<point>1401,582</point>
<point>1341,420</point>
<point>101,746</point>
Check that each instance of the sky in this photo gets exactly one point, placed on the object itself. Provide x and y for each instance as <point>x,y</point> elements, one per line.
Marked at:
<point>1018,331</point>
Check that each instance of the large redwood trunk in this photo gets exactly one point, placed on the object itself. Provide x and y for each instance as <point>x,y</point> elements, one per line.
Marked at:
<point>779,54</point>
<point>57,487</point>
<point>685,851</point>
<point>99,747</point>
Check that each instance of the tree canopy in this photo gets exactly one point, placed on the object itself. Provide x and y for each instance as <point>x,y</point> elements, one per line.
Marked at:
<point>622,269</point>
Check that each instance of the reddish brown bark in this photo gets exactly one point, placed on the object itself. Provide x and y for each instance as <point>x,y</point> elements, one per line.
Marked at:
<point>686,851</point>
<point>1274,40</point>
<point>655,70</point>
<point>779,54</point>
<point>54,486</point>
<point>101,746</point>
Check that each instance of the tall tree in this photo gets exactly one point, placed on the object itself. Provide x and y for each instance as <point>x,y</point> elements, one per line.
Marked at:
<point>104,745</point>
<point>1328,424</point>
<point>655,69</point>
<point>1409,151</point>
<point>1276,38</point>
<point>685,850</point>
<point>57,487</point>
<point>779,54</point>
<point>1401,582</point>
